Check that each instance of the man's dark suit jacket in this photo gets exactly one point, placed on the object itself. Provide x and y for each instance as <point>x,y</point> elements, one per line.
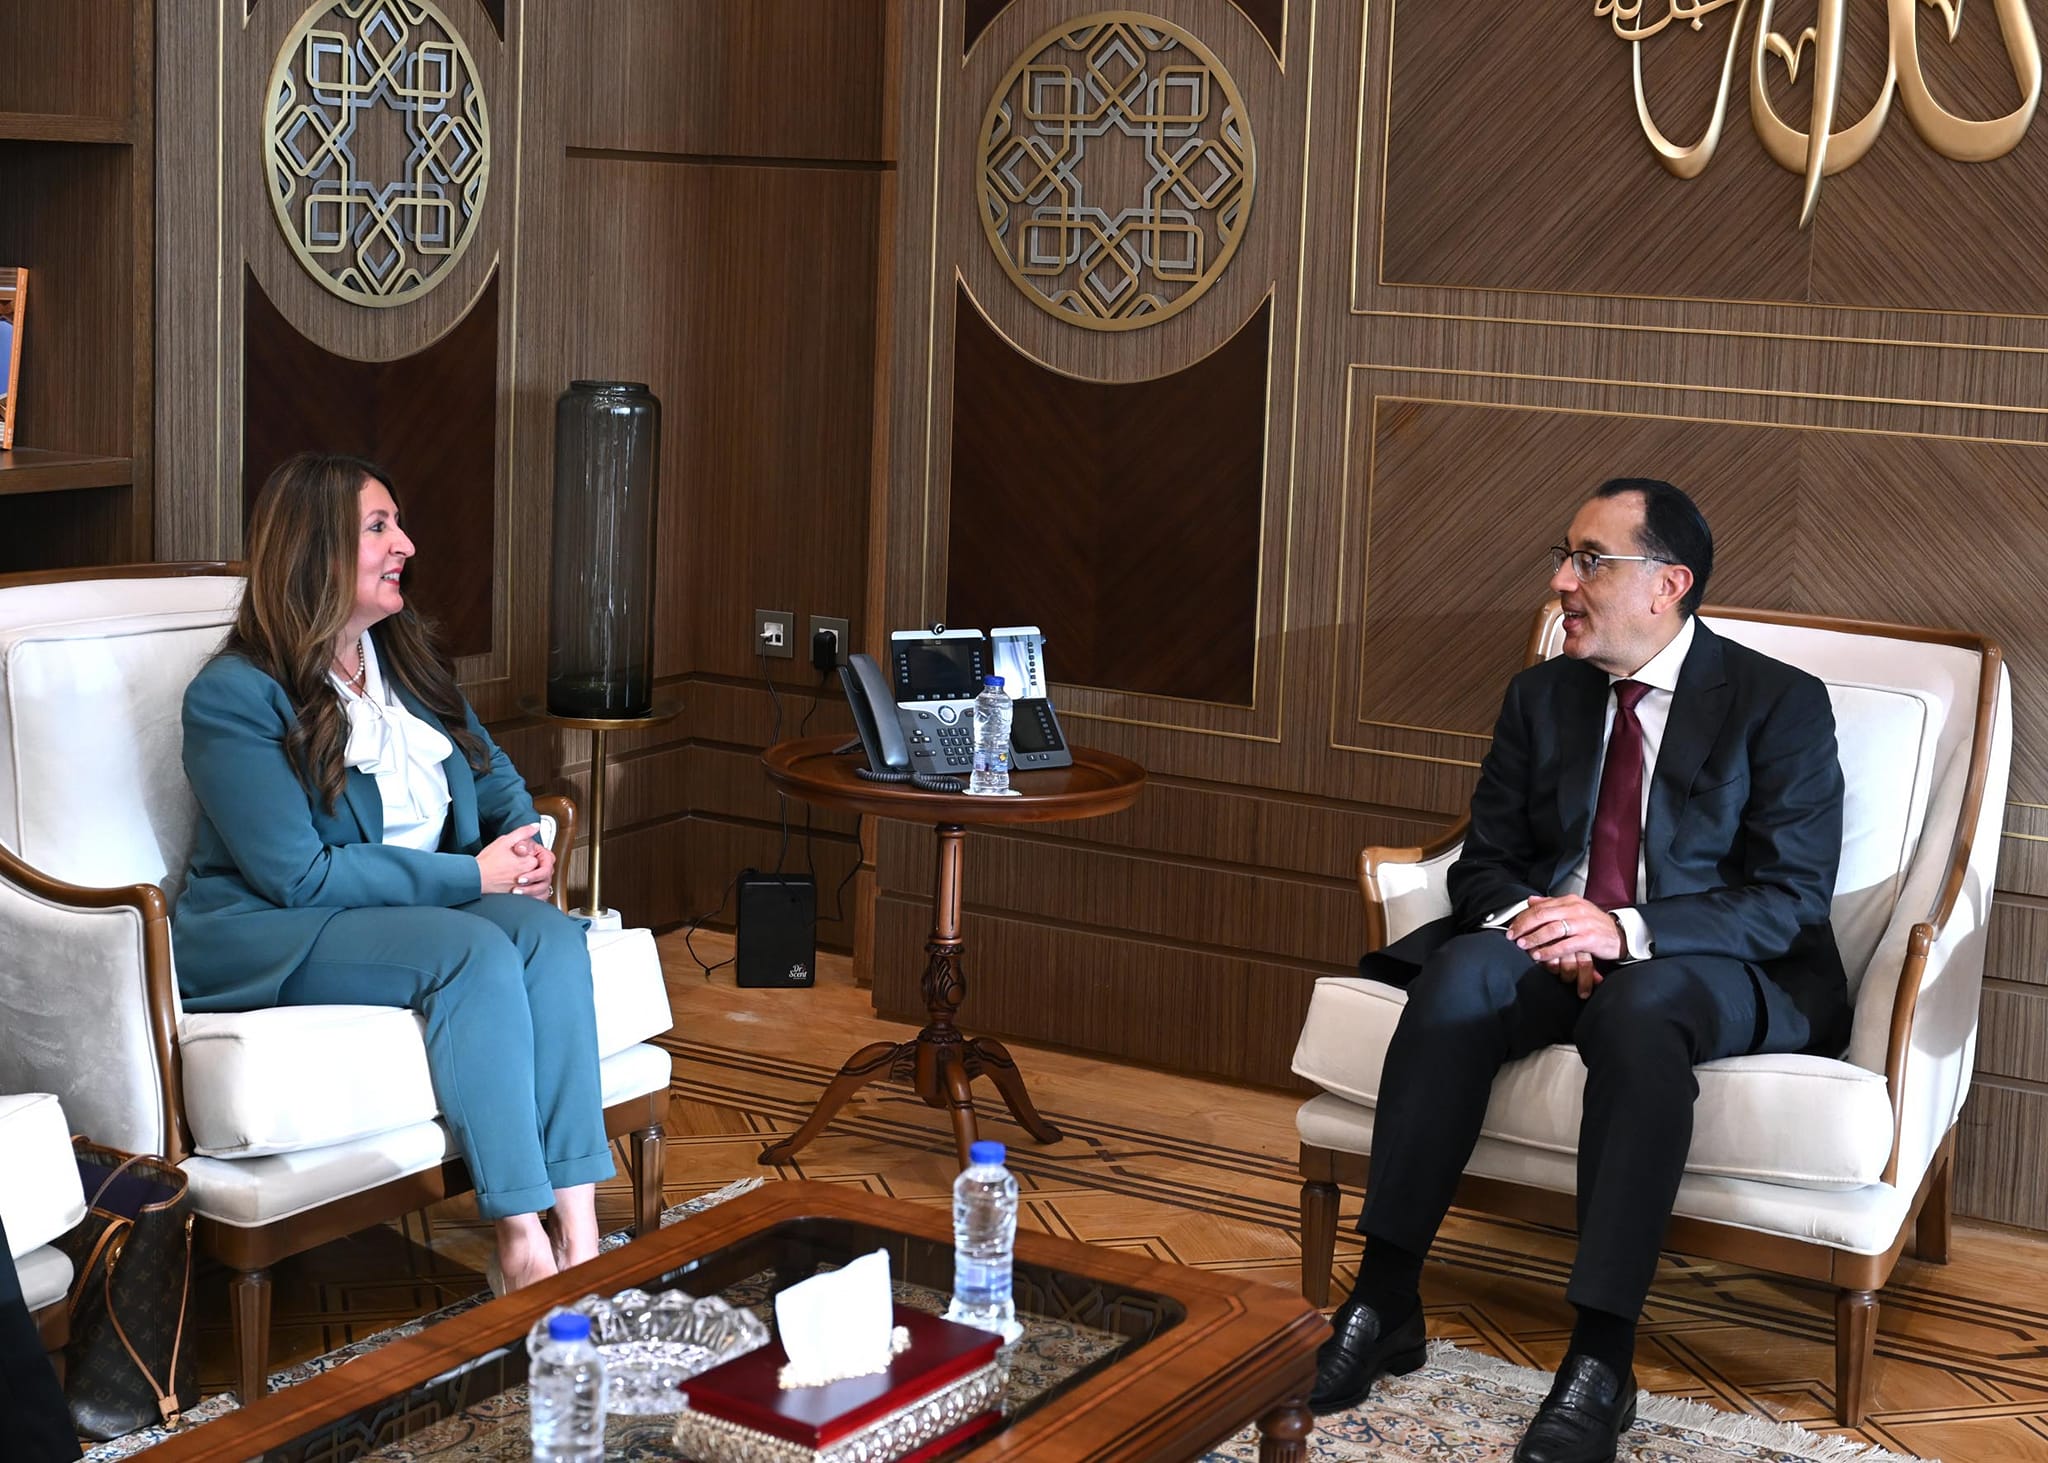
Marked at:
<point>1741,838</point>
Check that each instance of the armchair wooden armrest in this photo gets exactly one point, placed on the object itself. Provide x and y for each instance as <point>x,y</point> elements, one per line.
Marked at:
<point>1927,936</point>
<point>153,911</point>
<point>563,810</point>
<point>1373,858</point>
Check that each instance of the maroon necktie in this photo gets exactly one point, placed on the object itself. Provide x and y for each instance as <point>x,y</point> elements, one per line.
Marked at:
<point>1618,816</point>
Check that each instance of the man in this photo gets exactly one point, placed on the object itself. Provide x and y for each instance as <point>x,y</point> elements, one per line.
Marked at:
<point>1652,852</point>
<point>35,1425</point>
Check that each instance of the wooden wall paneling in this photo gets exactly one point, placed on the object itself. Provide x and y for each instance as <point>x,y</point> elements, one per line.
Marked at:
<point>68,60</point>
<point>1083,990</point>
<point>2016,943</point>
<point>676,871</point>
<point>198,295</point>
<point>753,323</point>
<point>718,237</point>
<point>219,229</point>
<point>2012,1033</point>
<point>1122,518</point>
<point>430,419</point>
<point>786,80</point>
<point>1999,1173</point>
<point>947,240</point>
<point>1573,191</point>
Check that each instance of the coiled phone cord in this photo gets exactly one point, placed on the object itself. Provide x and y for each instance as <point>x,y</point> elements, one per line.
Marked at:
<point>926,780</point>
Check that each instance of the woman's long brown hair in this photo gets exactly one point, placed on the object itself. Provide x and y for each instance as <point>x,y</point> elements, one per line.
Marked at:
<point>302,550</point>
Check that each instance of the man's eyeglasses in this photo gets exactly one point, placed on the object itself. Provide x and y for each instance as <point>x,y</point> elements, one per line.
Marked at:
<point>1586,562</point>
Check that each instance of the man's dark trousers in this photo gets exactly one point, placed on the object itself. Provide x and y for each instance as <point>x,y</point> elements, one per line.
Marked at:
<point>35,1425</point>
<point>1480,1001</point>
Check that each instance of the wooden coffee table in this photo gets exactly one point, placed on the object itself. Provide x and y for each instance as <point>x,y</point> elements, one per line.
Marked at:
<point>1123,1357</point>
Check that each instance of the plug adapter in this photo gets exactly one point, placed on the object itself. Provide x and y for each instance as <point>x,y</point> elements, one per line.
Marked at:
<point>824,652</point>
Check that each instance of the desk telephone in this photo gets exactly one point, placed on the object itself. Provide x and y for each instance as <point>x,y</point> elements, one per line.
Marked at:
<point>933,677</point>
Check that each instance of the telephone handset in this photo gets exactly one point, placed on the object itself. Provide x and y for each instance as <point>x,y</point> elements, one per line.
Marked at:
<point>878,721</point>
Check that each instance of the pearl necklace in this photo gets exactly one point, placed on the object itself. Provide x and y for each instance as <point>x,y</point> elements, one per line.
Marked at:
<point>360,681</point>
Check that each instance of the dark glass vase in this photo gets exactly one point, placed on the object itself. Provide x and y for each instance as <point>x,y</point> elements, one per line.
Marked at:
<point>601,600</point>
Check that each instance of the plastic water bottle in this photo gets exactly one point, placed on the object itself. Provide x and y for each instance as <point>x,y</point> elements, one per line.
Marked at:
<point>565,1388</point>
<point>984,1235</point>
<point>991,739</point>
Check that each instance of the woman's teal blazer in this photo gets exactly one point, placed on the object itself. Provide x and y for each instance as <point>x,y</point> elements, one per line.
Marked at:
<point>271,865</point>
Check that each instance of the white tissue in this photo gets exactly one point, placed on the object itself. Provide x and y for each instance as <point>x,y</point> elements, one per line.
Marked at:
<point>839,1324</point>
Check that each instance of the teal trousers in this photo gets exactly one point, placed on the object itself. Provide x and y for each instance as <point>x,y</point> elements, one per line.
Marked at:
<point>503,983</point>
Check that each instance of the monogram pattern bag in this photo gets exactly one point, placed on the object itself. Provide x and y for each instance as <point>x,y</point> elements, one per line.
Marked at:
<point>126,1366</point>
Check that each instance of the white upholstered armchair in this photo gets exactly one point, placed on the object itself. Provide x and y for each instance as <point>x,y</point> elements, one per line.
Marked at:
<point>1806,1166</point>
<point>296,1125</point>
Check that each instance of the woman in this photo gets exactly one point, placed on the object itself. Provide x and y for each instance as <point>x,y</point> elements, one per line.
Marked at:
<point>363,842</point>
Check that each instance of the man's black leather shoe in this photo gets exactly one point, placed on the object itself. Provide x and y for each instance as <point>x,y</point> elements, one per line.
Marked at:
<point>1361,1351</point>
<point>1587,1411</point>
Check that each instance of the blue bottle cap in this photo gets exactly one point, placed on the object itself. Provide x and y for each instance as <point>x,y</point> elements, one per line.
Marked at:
<point>985,1150</point>
<point>996,681</point>
<point>569,1326</point>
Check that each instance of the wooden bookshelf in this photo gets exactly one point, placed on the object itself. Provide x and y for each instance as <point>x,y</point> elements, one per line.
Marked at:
<point>77,148</point>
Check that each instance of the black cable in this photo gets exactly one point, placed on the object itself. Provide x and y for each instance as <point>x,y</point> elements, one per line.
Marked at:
<point>839,894</point>
<point>823,677</point>
<point>695,924</point>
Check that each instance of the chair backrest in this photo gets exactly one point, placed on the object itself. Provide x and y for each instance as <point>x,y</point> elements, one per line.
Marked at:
<point>92,681</point>
<point>1906,711</point>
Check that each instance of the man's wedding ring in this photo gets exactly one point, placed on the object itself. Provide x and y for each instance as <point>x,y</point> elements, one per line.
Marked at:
<point>1567,923</point>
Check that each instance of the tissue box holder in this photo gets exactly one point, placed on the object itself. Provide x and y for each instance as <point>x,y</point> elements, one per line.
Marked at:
<point>945,1389</point>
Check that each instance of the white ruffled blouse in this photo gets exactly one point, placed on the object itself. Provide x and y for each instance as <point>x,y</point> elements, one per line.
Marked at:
<point>404,754</point>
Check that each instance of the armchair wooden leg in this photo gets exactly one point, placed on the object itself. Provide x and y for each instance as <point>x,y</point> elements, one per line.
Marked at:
<point>648,1163</point>
<point>1931,1230</point>
<point>1318,1239</point>
<point>249,1306</point>
<point>1855,1344</point>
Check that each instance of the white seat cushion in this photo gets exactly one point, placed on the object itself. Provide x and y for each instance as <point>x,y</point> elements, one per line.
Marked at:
<point>253,1191</point>
<point>40,1197</point>
<point>1805,1122</point>
<point>45,1276</point>
<point>295,1077</point>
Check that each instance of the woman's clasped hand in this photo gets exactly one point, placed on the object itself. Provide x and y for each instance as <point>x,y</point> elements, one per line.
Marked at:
<point>518,863</point>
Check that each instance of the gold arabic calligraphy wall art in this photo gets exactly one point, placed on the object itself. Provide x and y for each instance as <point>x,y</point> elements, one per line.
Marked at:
<point>378,147</point>
<point>1116,171</point>
<point>1821,148</point>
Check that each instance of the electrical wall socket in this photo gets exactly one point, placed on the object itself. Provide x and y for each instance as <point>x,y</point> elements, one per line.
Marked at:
<point>835,627</point>
<point>775,633</point>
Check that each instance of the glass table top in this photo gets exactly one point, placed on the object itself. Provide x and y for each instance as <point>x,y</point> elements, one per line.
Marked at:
<point>1074,1327</point>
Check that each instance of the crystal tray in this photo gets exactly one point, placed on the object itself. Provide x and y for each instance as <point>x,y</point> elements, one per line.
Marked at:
<point>650,1343</point>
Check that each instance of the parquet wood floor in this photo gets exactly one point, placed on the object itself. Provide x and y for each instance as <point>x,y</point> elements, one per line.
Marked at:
<point>1203,1174</point>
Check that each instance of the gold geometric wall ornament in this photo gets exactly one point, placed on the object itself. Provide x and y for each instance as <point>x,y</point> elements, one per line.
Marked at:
<point>378,147</point>
<point>1116,171</point>
<point>1820,149</point>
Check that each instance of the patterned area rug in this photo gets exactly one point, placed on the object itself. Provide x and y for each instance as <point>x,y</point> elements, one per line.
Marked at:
<point>219,1406</point>
<point>1466,1407</point>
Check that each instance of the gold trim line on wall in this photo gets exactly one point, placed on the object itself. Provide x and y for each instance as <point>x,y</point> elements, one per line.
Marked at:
<point>1117,170</point>
<point>1820,149</point>
<point>377,142</point>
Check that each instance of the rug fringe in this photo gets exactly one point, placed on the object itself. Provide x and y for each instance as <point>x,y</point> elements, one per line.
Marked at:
<point>1787,1438</point>
<point>705,1201</point>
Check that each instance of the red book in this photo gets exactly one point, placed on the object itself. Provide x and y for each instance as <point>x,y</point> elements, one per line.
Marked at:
<point>744,1392</point>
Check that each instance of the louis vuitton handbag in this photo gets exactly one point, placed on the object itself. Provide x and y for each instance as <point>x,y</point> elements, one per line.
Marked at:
<point>126,1366</point>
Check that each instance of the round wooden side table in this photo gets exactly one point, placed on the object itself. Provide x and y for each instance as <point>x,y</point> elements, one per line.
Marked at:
<point>665,709</point>
<point>942,1061</point>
